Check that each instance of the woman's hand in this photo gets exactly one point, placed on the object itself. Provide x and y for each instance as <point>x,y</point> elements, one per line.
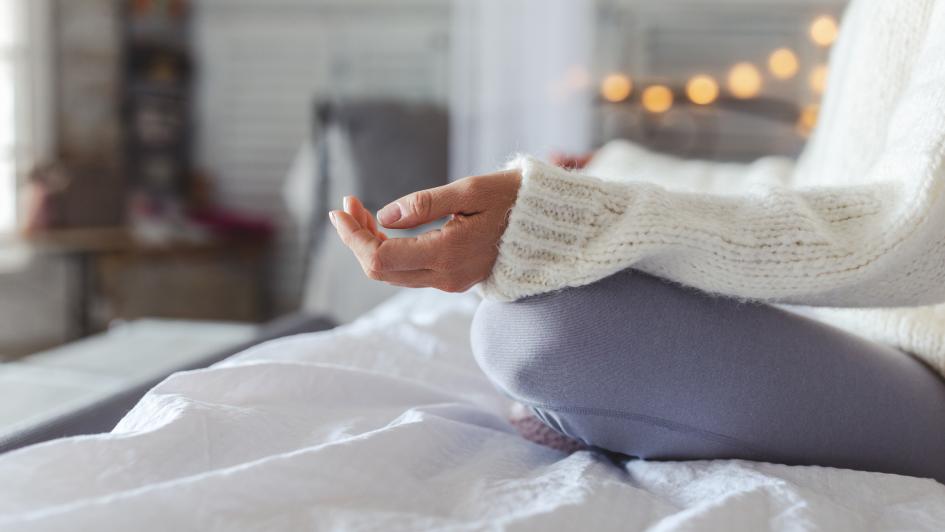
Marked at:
<point>452,258</point>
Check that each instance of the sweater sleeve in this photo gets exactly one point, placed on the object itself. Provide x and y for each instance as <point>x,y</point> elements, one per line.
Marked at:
<point>622,160</point>
<point>866,245</point>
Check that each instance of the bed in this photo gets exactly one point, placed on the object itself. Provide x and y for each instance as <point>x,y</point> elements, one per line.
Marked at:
<point>387,423</point>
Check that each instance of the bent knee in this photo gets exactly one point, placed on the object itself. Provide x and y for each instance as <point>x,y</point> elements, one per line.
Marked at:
<point>537,349</point>
<point>510,348</point>
<point>554,348</point>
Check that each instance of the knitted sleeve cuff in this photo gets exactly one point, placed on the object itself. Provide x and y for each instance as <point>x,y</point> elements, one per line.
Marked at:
<point>555,214</point>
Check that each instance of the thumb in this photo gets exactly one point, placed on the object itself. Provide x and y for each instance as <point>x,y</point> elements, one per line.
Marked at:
<point>424,206</point>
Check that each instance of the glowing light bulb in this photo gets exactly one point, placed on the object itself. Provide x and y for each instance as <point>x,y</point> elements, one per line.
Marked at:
<point>616,87</point>
<point>823,30</point>
<point>807,120</point>
<point>818,79</point>
<point>782,63</point>
<point>657,98</point>
<point>702,89</point>
<point>744,80</point>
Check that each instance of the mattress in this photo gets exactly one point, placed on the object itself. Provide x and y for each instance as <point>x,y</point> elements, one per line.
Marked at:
<point>387,423</point>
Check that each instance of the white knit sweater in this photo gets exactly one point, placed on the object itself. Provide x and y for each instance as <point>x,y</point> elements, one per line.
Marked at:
<point>859,221</point>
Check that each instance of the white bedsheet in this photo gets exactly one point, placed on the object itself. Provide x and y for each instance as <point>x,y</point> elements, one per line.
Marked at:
<point>387,424</point>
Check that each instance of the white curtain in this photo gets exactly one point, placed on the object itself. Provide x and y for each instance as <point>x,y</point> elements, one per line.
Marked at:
<point>521,80</point>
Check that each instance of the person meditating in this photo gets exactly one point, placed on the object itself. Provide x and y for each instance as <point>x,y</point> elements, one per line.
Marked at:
<point>670,309</point>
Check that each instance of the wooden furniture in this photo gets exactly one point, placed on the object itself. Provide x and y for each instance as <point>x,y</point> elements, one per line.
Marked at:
<point>119,277</point>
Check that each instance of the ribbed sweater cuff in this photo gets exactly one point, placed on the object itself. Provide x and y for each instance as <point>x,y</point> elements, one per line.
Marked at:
<point>555,214</point>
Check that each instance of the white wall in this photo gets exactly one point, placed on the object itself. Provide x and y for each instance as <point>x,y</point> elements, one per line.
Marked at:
<point>263,62</point>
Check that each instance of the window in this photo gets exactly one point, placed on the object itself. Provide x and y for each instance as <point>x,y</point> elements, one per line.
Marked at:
<point>9,51</point>
<point>25,88</point>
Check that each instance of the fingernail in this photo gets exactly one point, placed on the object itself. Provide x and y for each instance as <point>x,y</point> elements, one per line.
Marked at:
<point>331,217</point>
<point>390,214</point>
<point>346,203</point>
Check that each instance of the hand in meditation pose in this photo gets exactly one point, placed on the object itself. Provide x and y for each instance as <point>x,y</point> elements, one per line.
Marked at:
<point>453,258</point>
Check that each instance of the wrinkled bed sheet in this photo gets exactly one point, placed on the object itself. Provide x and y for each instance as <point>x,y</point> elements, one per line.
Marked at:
<point>388,424</point>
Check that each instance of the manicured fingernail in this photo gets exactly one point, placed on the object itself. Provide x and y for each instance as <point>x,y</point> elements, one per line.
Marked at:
<point>390,214</point>
<point>346,203</point>
<point>331,216</point>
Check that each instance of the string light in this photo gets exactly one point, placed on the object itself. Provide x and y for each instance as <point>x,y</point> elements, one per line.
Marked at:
<point>616,87</point>
<point>782,63</point>
<point>702,89</point>
<point>818,79</point>
<point>744,80</point>
<point>823,30</point>
<point>657,98</point>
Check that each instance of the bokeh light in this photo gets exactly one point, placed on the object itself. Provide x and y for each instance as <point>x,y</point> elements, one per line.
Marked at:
<point>702,89</point>
<point>817,80</point>
<point>577,78</point>
<point>782,63</point>
<point>807,120</point>
<point>657,98</point>
<point>744,80</point>
<point>823,30</point>
<point>616,87</point>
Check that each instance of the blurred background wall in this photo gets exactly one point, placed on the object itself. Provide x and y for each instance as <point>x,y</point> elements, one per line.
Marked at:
<point>265,64</point>
<point>160,145</point>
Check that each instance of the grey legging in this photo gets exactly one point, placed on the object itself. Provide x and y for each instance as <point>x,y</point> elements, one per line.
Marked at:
<point>642,367</point>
